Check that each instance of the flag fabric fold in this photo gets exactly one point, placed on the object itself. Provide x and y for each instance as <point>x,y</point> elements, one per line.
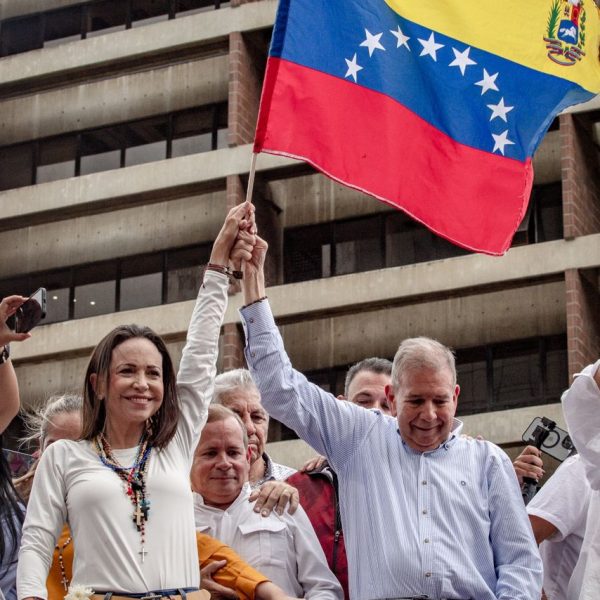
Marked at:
<point>422,105</point>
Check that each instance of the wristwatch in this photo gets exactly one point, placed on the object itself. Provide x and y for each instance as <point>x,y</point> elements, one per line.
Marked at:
<point>5,354</point>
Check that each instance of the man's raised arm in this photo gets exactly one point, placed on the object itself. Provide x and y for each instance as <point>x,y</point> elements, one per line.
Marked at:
<point>332,427</point>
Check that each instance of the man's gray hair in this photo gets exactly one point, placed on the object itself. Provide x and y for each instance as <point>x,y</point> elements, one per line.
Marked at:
<point>237,379</point>
<point>37,423</point>
<point>380,366</point>
<point>421,352</point>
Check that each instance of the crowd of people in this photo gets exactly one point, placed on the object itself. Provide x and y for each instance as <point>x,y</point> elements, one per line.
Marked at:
<point>156,483</point>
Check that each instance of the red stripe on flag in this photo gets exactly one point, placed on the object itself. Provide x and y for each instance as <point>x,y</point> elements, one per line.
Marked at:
<point>370,142</point>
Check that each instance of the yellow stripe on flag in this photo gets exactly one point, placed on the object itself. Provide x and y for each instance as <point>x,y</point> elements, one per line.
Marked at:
<point>515,30</point>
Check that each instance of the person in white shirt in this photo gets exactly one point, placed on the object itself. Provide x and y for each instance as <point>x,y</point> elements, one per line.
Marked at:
<point>581,405</point>
<point>283,547</point>
<point>558,516</point>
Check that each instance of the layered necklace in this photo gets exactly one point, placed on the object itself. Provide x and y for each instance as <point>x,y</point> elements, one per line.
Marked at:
<point>134,478</point>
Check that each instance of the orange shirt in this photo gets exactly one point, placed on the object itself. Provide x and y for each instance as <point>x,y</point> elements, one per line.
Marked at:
<point>236,574</point>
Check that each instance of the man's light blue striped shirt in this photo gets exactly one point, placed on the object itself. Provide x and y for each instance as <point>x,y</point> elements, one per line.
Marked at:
<point>446,524</point>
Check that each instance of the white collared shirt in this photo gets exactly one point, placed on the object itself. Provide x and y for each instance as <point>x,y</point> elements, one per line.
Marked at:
<point>283,547</point>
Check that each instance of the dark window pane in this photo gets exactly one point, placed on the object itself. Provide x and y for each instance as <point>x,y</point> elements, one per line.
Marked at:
<point>145,140</point>
<point>62,26</point>
<point>141,281</point>
<point>517,375</point>
<point>18,285</point>
<point>94,299</point>
<point>141,291</point>
<point>185,272</point>
<point>307,252</point>
<point>16,166</point>
<point>146,12</point>
<point>548,212</point>
<point>103,161</point>
<point>557,373</point>
<point>57,305</point>
<point>138,155</point>
<point>21,35</point>
<point>190,7</point>
<point>56,159</point>
<point>472,377</point>
<point>193,131</point>
<point>105,17</point>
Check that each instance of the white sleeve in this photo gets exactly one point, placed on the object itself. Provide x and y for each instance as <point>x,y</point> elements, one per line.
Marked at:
<point>198,366</point>
<point>564,499</point>
<point>45,518</point>
<point>314,575</point>
<point>581,405</point>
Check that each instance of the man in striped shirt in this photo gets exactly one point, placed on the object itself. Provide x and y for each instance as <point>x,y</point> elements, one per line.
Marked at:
<point>425,512</point>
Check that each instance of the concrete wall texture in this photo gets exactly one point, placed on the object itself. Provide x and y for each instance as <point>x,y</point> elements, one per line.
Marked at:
<point>543,289</point>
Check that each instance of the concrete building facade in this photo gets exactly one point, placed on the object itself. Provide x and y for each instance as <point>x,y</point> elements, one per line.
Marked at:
<point>125,132</point>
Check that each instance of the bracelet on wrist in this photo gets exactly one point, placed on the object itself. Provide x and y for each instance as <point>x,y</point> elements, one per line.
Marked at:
<point>254,302</point>
<point>225,270</point>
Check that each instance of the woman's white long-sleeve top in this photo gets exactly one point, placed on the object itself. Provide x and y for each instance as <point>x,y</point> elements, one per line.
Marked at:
<point>71,484</point>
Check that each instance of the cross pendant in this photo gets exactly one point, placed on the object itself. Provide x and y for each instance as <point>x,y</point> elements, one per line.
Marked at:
<point>143,553</point>
<point>65,582</point>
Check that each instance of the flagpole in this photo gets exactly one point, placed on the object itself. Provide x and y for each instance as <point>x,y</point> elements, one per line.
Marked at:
<point>251,178</point>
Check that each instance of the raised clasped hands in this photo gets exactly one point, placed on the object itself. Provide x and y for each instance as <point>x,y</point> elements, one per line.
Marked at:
<point>235,240</point>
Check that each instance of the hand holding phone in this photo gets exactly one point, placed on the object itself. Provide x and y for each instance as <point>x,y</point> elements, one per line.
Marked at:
<point>8,308</point>
<point>31,312</point>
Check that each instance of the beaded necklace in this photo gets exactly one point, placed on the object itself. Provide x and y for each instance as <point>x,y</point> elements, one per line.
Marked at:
<point>134,478</point>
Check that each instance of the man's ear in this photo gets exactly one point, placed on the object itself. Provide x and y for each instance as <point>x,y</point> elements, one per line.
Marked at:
<point>391,398</point>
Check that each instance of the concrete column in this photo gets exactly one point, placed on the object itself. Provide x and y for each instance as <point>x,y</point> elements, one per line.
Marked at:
<point>580,176</point>
<point>583,318</point>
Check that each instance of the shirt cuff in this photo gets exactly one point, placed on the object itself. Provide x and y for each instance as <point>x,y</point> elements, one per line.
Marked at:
<point>211,276</point>
<point>257,318</point>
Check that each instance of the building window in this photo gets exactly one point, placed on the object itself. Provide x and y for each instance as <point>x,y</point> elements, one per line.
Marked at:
<point>90,19</point>
<point>392,239</point>
<point>122,145</point>
<point>340,247</point>
<point>123,284</point>
<point>512,374</point>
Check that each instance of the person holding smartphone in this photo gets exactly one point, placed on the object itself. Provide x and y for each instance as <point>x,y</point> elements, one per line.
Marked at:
<point>11,509</point>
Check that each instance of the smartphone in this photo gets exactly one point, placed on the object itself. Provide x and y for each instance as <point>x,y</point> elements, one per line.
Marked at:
<point>557,442</point>
<point>31,312</point>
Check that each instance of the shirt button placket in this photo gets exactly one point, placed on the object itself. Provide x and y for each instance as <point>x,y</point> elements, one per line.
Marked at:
<point>425,521</point>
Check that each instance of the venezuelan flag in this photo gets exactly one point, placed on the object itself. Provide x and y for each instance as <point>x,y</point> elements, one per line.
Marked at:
<point>433,107</point>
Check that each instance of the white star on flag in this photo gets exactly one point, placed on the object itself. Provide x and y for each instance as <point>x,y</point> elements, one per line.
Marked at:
<point>462,60</point>
<point>353,68</point>
<point>402,40</point>
<point>430,47</point>
<point>499,110</point>
<point>500,141</point>
<point>372,42</point>
<point>488,82</point>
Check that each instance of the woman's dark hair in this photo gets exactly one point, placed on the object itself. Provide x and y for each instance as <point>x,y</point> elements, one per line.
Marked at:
<point>11,513</point>
<point>164,421</point>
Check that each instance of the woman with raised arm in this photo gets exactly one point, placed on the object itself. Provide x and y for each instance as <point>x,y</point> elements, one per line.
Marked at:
<point>124,487</point>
